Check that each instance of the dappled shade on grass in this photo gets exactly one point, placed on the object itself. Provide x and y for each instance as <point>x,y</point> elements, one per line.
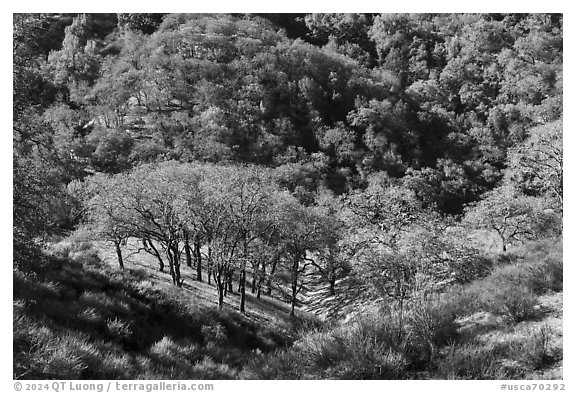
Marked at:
<point>76,318</point>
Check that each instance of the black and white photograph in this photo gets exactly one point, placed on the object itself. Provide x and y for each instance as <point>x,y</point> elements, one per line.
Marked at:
<point>287,196</point>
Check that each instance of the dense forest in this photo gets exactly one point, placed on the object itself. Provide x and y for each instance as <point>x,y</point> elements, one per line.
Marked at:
<point>376,180</point>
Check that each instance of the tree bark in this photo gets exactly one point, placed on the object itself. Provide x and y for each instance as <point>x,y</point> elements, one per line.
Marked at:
<point>295,267</point>
<point>187,249</point>
<point>332,284</point>
<point>255,274</point>
<point>261,280</point>
<point>119,254</point>
<point>171,264</point>
<point>220,285</point>
<point>269,281</point>
<point>230,279</point>
<point>243,288</point>
<point>198,257</point>
<point>503,242</point>
<point>209,263</point>
<point>155,252</point>
<point>176,264</point>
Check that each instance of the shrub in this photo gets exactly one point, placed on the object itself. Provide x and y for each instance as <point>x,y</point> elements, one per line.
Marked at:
<point>365,349</point>
<point>80,245</point>
<point>471,361</point>
<point>60,250</point>
<point>168,349</point>
<point>471,268</point>
<point>518,302</point>
<point>208,369</point>
<point>61,355</point>
<point>215,333</point>
<point>463,300</point>
<point>504,292</point>
<point>539,349</point>
<point>430,325</point>
<point>116,366</point>
<point>282,364</point>
<point>546,275</point>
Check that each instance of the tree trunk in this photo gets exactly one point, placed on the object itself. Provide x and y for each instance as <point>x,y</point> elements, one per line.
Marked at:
<point>229,280</point>
<point>176,254</point>
<point>198,257</point>
<point>187,249</point>
<point>269,281</point>
<point>220,285</point>
<point>243,288</point>
<point>179,281</point>
<point>209,263</point>
<point>332,285</point>
<point>260,280</point>
<point>295,267</point>
<point>171,264</point>
<point>156,253</point>
<point>119,254</point>
<point>240,281</point>
<point>503,242</point>
<point>255,274</point>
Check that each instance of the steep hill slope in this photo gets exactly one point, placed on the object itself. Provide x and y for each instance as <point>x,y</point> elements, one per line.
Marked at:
<point>77,317</point>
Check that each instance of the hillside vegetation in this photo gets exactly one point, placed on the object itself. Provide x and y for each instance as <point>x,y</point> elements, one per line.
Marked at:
<point>75,317</point>
<point>287,196</point>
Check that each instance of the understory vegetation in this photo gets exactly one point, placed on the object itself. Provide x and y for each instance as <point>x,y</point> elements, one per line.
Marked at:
<point>75,317</point>
<point>493,328</point>
<point>287,196</point>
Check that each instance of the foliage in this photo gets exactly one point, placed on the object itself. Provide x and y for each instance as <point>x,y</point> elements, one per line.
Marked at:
<point>76,317</point>
<point>514,217</point>
<point>313,156</point>
<point>536,165</point>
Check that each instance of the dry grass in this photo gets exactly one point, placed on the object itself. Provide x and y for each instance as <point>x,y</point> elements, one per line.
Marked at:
<point>507,325</point>
<point>78,318</point>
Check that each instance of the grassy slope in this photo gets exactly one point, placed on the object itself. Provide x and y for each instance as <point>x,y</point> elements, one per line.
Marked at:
<point>507,325</point>
<point>76,316</point>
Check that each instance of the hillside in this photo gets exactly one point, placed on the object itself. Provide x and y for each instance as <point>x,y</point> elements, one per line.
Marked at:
<point>507,325</point>
<point>77,317</point>
<point>368,196</point>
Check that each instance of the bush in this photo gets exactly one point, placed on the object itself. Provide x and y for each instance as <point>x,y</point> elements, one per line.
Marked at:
<point>168,349</point>
<point>538,350</point>
<point>215,333</point>
<point>208,369</point>
<point>281,364</point>
<point>471,361</point>
<point>546,275</point>
<point>365,349</point>
<point>463,300</point>
<point>172,358</point>
<point>60,250</point>
<point>471,268</point>
<point>430,325</point>
<point>517,302</point>
<point>507,291</point>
